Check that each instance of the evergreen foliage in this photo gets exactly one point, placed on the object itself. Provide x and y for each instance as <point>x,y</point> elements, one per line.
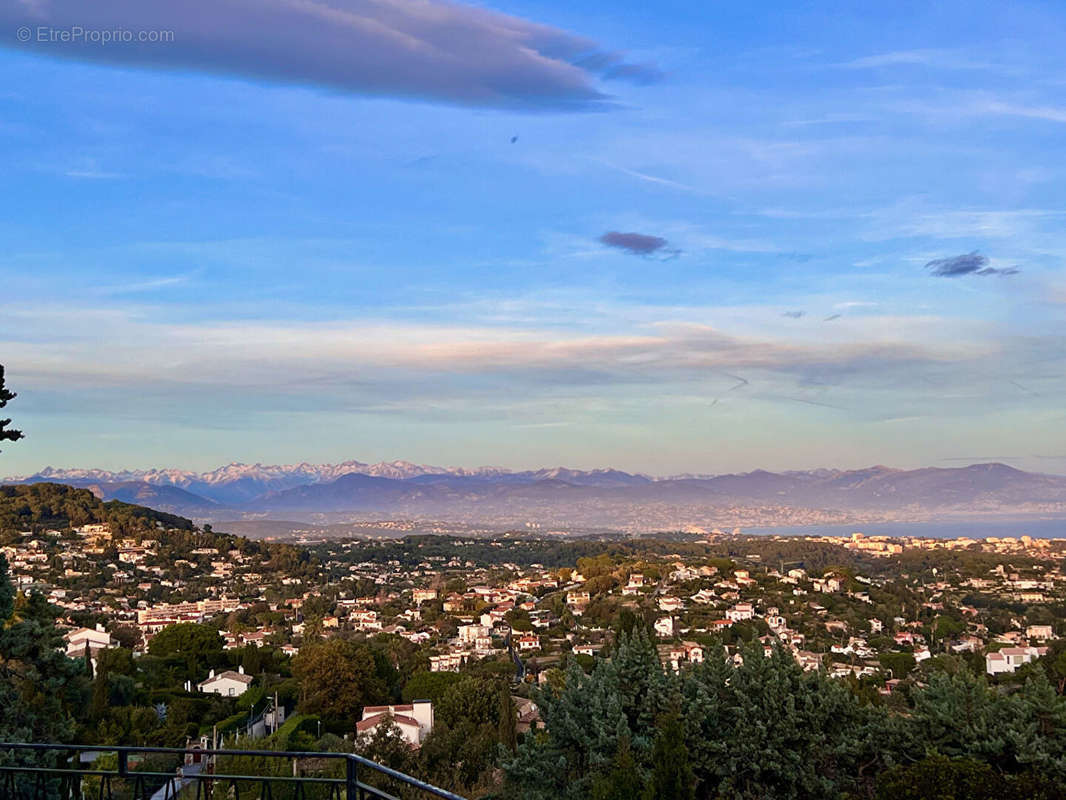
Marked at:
<point>41,690</point>
<point>763,727</point>
<point>7,434</point>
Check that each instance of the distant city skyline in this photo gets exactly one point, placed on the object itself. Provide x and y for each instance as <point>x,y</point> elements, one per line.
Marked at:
<point>662,239</point>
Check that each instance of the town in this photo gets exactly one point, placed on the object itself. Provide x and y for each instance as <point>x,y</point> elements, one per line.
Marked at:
<point>466,608</point>
<point>192,637</point>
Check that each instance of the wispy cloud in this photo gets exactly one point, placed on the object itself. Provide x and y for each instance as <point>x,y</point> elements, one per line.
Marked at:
<point>436,50</point>
<point>941,59</point>
<point>649,178</point>
<point>135,287</point>
<point>1046,113</point>
<point>92,173</point>
<point>248,354</point>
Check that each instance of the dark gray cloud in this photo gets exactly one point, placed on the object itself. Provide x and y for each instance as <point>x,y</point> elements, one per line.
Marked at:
<point>967,264</point>
<point>832,317</point>
<point>639,244</point>
<point>432,49</point>
<point>794,314</point>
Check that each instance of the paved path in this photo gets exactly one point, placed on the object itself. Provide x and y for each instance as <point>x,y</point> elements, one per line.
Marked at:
<point>170,789</point>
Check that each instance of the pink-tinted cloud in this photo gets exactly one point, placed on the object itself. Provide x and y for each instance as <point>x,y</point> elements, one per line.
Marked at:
<point>432,49</point>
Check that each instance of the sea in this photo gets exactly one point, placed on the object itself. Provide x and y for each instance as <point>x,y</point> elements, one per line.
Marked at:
<point>939,529</point>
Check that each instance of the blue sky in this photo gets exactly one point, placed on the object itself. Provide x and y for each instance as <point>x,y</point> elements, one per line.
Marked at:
<point>314,239</point>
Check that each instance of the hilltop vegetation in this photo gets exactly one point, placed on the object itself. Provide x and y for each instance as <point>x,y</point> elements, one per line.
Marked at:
<point>38,506</point>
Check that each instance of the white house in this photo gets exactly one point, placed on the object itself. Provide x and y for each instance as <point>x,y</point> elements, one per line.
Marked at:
<point>471,633</point>
<point>415,720</point>
<point>704,596</point>
<point>1039,632</point>
<point>664,627</point>
<point>449,662</point>
<point>227,683</point>
<point>669,603</point>
<point>740,612</point>
<point>1010,658</point>
<point>95,638</point>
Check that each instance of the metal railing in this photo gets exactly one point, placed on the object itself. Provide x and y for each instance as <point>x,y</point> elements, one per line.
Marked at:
<point>60,772</point>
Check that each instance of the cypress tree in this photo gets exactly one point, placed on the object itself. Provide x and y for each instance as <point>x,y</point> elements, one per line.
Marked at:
<point>508,724</point>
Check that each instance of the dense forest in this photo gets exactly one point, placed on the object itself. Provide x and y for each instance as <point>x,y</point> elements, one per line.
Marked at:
<point>761,727</point>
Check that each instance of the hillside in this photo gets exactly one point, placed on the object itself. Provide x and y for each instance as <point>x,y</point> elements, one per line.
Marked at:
<point>161,497</point>
<point>54,505</point>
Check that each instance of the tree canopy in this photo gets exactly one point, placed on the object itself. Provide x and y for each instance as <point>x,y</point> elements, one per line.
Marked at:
<point>764,727</point>
<point>41,690</point>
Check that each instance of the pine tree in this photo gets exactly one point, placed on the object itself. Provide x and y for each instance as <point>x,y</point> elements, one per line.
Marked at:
<point>40,687</point>
<point>672,777</point>
<point>624,780</point>
<point>6,434</point>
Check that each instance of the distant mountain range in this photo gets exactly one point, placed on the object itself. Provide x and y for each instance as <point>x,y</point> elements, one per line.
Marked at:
<point>560,496</point>
<point>237,484</point>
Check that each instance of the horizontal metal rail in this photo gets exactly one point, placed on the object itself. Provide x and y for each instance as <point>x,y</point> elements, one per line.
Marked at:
<point>49,778</point>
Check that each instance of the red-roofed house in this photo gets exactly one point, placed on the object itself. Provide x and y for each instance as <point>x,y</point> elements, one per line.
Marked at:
<point>1010,658</point>
<point>415,720</point>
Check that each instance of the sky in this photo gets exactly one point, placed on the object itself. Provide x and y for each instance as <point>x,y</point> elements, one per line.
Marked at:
<point>667,238</point>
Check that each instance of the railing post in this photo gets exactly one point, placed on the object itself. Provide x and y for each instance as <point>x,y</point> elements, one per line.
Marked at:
<point>352,782</point>
<point>123,763</point>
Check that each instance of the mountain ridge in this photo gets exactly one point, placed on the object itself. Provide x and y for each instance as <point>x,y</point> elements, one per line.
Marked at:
<point>606,495</point>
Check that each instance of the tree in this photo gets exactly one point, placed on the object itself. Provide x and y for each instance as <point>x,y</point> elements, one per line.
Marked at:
<point>586,717</point>
<point>938,777</point>
<point>429,685</point>
<point>672,777</point>
<point>624,780</point>
<point>508,725</point>
<point>762,729</point>
<point>899,664</point>
<point>471,699</point>
<point>193,648</point>
<point>101,692</point>
<point>7,434</point>
<point>41,690</point>
<point>386,745</point>
<point>337,678</point>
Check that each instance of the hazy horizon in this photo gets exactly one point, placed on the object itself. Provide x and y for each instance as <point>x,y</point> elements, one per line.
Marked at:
<point>504,468</point>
